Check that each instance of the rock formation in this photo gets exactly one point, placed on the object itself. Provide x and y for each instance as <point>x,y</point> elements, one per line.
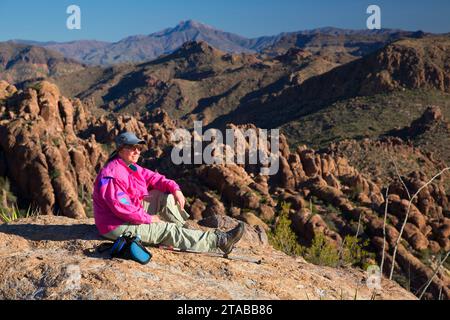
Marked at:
<point>53,258</point>
<point>52,147</point>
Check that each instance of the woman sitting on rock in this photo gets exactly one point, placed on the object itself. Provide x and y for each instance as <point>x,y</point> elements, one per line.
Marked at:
<point>128,197</point>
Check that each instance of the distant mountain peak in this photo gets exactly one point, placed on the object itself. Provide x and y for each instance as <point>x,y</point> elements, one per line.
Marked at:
<point>184,26</point>
<point>192,24</point>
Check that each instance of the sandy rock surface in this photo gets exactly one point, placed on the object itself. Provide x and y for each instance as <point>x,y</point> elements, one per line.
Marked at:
<point>51,257</point>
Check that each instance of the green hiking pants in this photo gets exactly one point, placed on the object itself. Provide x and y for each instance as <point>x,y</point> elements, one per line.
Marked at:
<point>170,233</point>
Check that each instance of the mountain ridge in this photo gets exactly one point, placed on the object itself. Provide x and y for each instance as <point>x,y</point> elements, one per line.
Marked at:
<point>140,48</point>
<point>20,62</point>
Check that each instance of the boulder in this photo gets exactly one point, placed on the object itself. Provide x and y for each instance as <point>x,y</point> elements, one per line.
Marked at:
<point>251,219</point>
<point>415,238</point>
<point>6,89</point>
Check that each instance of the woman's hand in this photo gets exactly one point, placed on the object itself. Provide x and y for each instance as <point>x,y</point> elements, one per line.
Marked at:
<point>155,219</point>
<point>179,198</point>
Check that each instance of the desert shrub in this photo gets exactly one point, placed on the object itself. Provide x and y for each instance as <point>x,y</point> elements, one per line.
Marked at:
<point>353,252</point>
<point>263,200</point>
<point>321,252</point>
<point>8,214</point>
<point>333,209</point>
<point>283,237</point>
<point>354,193</point>
<point>13,213</point>
<point>54,174</point>
<point>447,264</point>
<point>56,142</point>
<point>86,199</point>
<point>9,209</point>
<point>330,223</point>
<point>425,256</point>
<point>312,205</point>
<point>36,86</point>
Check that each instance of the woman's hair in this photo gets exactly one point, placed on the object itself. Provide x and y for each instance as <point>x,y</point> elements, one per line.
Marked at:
<point>113,155</point>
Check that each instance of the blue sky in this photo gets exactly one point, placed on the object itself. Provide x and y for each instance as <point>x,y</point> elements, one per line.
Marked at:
<point>45,20</point>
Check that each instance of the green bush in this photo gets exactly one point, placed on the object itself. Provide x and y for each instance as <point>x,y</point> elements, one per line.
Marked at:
<point>54,174</point>
<point>12,213</point>
<point>332,209</point>
<point>353,252</point>
<point>86,199</point>
<point>282,237</point>
<point>330,223</point>
<point>263,200</point>
<point>56,142</point>
<point>321,252</point>
<point>354,193</point>
<point>425,256</point>
<point>8,214</point>
<point>36,86</point>
<point>312,205</point>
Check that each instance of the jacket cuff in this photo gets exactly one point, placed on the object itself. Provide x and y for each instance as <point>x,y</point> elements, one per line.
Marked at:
<point>175,188</point>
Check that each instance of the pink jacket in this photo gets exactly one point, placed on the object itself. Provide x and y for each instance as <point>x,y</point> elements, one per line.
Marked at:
<point>118,194</point>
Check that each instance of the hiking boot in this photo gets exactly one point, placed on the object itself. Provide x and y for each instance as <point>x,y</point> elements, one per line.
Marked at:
<point>227,240</point>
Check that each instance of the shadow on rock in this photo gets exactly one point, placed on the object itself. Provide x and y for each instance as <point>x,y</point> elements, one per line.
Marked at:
<point>35,232</point>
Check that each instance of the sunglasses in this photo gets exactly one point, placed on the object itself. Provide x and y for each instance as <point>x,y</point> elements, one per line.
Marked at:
<point>137,147</point>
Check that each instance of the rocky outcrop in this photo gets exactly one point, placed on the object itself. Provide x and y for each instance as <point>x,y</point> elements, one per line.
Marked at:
<point>418,63</point>
<point>21,62</point>
<point>430,118</point>
<point>6,89</point>
<point>51,167</point>
<point>308,225</point>
<point>49,258</point>
<point>374,158</point>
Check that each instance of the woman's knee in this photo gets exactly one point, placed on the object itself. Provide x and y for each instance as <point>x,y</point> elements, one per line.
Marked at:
<point>154,195</point>
<point>169,199</point>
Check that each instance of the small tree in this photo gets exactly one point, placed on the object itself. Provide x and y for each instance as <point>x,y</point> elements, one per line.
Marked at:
<point>353,252</point>
<point>322,252</point>
<point>282,237</point>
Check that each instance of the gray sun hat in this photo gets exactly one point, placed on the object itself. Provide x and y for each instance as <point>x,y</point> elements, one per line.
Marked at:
<point>127,138</point>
